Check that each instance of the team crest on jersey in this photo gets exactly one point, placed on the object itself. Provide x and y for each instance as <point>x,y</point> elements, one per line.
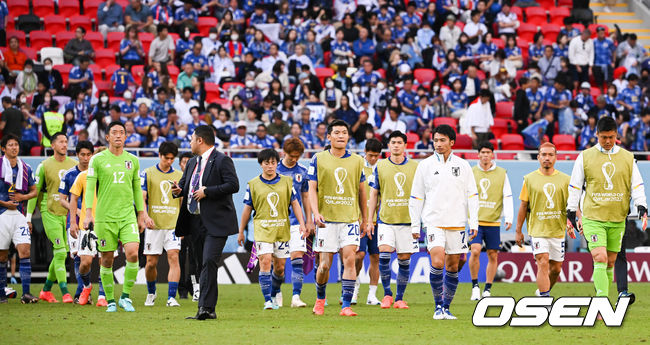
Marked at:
<point>58,241</point>
<point>102,243</point>
<point>431,237</point>
<point>298,178</point>
<point>381,237</point>
<point>594,238</point>
<point>148,246</point>
<point>128,164</point>
<point>536,245</point>
<point>320,242</point>
<point>455,171</point>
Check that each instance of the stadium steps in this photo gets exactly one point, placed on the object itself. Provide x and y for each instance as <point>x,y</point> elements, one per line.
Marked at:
<point>630,16</point>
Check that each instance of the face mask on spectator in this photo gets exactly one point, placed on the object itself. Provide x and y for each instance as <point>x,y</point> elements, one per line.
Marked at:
<point>355,90</point>
<point>48,67</point>
<point>28,70</point>
<point>47,100</point>
<point>296,22</point>
<point>436,88</point>
<point>23,100</point>
<point>213,37</point>
<point>104,99</point>
<point>250,84</point>
<point>127,95</point>
<point>234,37</point>
<point>187,33</point>
<point>329,84</point>
<point>381,86</point>
<point>182,133</point>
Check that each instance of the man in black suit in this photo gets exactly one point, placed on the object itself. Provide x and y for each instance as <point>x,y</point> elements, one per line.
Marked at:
<point>208,214</point>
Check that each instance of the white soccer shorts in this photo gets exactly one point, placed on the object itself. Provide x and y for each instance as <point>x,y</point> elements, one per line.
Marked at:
<point>453,241</point>
<point>398,237</point>
<point>553,246</point>
<point>73,243</point>
<point>13,228</point>
<point>279,250</point>
<point>157,240</point>
<point>296,243</point>
<point>335,236</point>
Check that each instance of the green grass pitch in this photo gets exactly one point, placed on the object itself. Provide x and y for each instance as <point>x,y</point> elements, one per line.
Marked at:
<point>241,320</point>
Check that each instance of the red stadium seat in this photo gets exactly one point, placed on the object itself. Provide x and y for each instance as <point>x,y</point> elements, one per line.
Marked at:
<point>18,7</point>
<point>15,33</point>
<point>138,72</point>
<point>512,142</point>
<point>83,21</point>
<point>535,16</point>
<point>11,23</point>
<point>103,85</point>
<point>109,70</point>
<point>69,8</point>
<point>113,40</point>
<point>205,23</point>
<point>54,24</point>
<point>211,92</point>
<point>30,52</point>
<point>96,69</point>
<point>500,127</point>
<point>63,37</point>
<point>526,32</point>
<point>224,103</point>
<point>104,57</point>
<point>504,110</point>
<point>146,39</point>
<point>546,3</point>
<point>557,15</point>
<point>518,11</point>
<point>564,142</point>
<point>35,151</point>
<point>524,45</point>
<point>594,33</point>
<point>446,121</point>
<point>411,140</point>
<point>551,32</point>
<point>567,156</point>
<point>40,39</point>
<point>96,39</point>
<point>43,8</point>
<point>173,72</point>
<point>565,3</point>
<point>499,43</point>
<point>463,142</point>
<point>382,72</point>
<point>64,70</point>
<point>226,86</point>
<point>91,6</point>
<point>506,156</point>
<point>579,26</point>
<point>424,76</point>
<point>323,73</point>
<point>471,155</point>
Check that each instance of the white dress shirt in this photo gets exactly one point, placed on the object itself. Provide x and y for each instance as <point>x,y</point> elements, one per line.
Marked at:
<point>204,160</point>
<point>581,52</point>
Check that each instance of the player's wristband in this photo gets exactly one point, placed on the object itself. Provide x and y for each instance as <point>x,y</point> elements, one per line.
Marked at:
<point>415,230</point>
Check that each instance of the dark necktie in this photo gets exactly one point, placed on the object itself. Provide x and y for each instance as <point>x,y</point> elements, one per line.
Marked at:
<point>194,205</point>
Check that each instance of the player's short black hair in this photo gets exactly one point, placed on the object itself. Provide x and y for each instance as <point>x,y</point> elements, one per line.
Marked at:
<point>445,130</point>
<point>337,123</point>
<point>84,144</point>
<point>168,147</point>
<point>7,137</point>
<point>397,134</point>
<point>373,145</point>
<point>606,124</point>
<point>56,135</point>
<point>206,133</point>
<point>267,155</point>
<point>113,124</point>
<point>485,145</point>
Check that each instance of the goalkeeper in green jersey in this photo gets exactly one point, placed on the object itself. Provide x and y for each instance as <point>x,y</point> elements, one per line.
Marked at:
<point>114,176</point>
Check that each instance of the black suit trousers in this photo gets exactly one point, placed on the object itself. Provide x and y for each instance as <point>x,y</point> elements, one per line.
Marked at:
<point>207,251</point>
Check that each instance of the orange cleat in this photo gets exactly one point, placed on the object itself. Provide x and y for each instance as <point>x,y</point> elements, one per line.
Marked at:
<point>319,307</point>
<point>85,293</point>
<point>101,302</point>
<point>67,298</point>
<point>347,311</point>
<point>400,305</point>
<point>386,302</point>
<point>47,296</point>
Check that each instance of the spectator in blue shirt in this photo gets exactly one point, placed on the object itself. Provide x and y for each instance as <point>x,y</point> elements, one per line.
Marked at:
<point>198,61</point>
<point>630,97</point>
<point>110,17</point>
<point>534,133</point>
<point>161,105</point>
<point>263,140</point>
<point>409,18</point>
<point>128,107</point>
<point>558,98</point>
<point>144,120</point>
<point>81,77</point>
<point>604,58</point>
<point>133,139</point>
<point>186,17</point>
<point>363,46</point>
<point>367,78</point>
<point>408,100</point>
<point>588,135</point>
<point>584,98</point>
<point>640,127</point>
<point>536,50</point>
<point>131,50</point>
<point>259,15</point>
<point>121,79</point>
<point>153,140</point>
<point>196,120</point>
<point>258,46</point>
<point>568,28</point>
<point>241,140</point>
<point>399,31</point>
<point>162,13</point>
<point>170,126</point>
<point>139,14</point>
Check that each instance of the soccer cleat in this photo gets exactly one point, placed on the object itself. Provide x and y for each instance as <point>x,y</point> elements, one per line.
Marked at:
<point>278,300</point>
<point>85,294</point>
<point>624,294</point>
<point>172,302</point>
<point>28,299</point>
<point>347,311</point>
<point>355,294</point>
<point>319,307</point>
<point>439,314</point>
<point>101,301</point>
<point>476,294</point>
<point>537,293</point>
<point>401,304</point>
<point>449,315</point>
<point>75,300</point>
<point>151,299</point>
<point>296,302</point>
<point>67,298</point>
<point>268,305</point>
<point>126,304</point>
<point>372,300</point>
<point>111,307</point>
<point>10,293</point>
<point>487,293</point>
<point>197,292</point>
<point>386,302</point>
<point>47,296</point>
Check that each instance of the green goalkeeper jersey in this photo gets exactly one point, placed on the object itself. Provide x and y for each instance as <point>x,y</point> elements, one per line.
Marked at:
<point>117,182</point>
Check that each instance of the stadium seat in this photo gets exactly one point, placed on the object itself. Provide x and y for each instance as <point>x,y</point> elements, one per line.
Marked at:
<point>109,70</point>
<point>499,43</point>
<point>36,151</point>
<point>470,155</point>
<point>173,72</point>
<point>411,140</point>
<point>595,92</point>
<point>323,73</point>
<point>226,86</point>
<point>567,156</point>
<point>146,39</point>
<point>83,21</point>
<point>15,33</point>
<point>31,53</point>
<point>579,26</point>
<point>524,45</point>
<point>65,71</point>
<point>512,142</point>
<point>56,54</point>
<point>557,15</point>
<point>55,23</point>
<point>137,71</point>
<point>446,121</point>
<point>564,142</point>
<point>113,40</point>
<point>11,23</point>
<point>536,16</point>
<point>205,23</point>
<point>96,69</point>
<point>40,39</point>
<point>18,7</point>
<point>43,8</point>
<point>518,11</point>
<point>500,127</point>
<point>504,110</point>
<point>551,32</point>
<point>546,3</point>
<point>594,33</point>
<point>211,92</point>
<point>424,76</point>
<point>96,39</point>
<point>90,7</point>
<point>463,142</point>
<point>382,72</point>
<point>69,8</point>
<point>565,3</point>
<point>224,103</point>
<point>104,57</point>
<point>63,37</point>
<point>526,32</point>
<point>103,85</point>
<point>507,156</point>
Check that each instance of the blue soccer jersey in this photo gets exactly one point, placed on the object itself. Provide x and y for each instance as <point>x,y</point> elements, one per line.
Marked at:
<point>300,184</point>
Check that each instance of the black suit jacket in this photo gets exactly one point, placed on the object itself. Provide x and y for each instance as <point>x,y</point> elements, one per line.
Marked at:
<point>217,210</point>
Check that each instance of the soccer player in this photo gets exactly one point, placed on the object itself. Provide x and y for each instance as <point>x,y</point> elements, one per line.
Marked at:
<point>84,150</point>
<point>48,179</point>
<point>611,177</point>
<point>114,176</point>
<point>163,210</point>
<point>289,166</point>
<point>87,238</point>
<point>543,198</point>
<point>442,196</point>
<point>494,200</point>
<point>17,185</point>
<point>270,195</point>
<point>368,244</point>
<point>391,182</point>
<point>338,200</point>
